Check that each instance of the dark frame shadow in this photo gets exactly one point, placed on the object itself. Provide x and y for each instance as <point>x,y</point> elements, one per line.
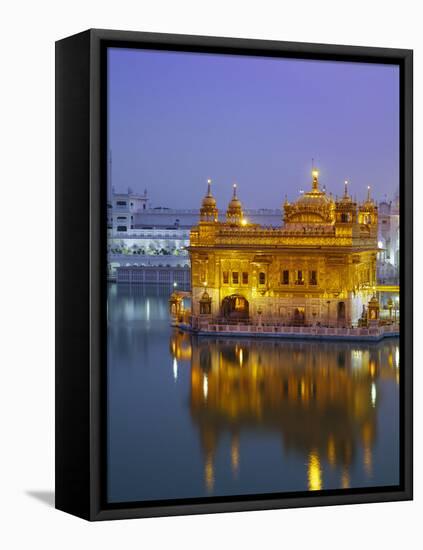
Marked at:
<point>46,497</point>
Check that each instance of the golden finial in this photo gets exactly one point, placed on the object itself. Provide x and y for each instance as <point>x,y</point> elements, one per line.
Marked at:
<point>315,174</point>
<point>234,211</point>
<point>346,188</point>
<point>208,210</point>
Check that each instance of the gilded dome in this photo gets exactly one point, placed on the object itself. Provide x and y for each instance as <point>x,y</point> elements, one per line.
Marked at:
<point>369,203</point>
<point>209,202</point>
<point>234,212</point>
<point>235,205</point>
<point>311,199</point>
<point>314,206</point>
<point>208,210</point>
<point>373,303</point>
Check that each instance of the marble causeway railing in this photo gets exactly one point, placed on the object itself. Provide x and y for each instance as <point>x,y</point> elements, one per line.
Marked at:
<point>358,333</point>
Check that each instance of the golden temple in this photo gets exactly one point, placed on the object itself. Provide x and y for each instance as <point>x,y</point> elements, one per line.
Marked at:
<point>317,268</point>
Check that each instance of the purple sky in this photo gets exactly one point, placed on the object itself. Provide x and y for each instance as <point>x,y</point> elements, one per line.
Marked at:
<point>176,119</point>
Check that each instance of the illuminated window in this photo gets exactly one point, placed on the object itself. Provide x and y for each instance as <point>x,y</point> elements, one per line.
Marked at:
<point>285,277</point>
<point>235,277</point>
<point>299,280</point>
<point>226,277</point>
<point>244,278</point>
<point>262,278</point>
<point>312,277</point>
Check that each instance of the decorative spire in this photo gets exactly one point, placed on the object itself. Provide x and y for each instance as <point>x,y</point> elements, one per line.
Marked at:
<point>234,212</point>
<point>368,194</point>
<point>208,210</point>
<point>346,189</point>
<point>315,174</point>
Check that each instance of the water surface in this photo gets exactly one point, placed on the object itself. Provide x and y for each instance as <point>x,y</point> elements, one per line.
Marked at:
<point>203,416</point>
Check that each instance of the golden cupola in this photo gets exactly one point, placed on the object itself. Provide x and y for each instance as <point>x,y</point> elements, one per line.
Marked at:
<point>234,212</point>
<point>208,210</point>
<point>314,206</point>
<point>367,211</point>
<point>346,208</point>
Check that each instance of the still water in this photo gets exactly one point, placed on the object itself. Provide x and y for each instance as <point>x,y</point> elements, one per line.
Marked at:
<point>203,416</point>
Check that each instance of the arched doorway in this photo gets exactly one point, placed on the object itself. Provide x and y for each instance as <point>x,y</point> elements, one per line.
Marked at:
<point>235,307</point>
<point>299,316</point>
<point>341,312</point>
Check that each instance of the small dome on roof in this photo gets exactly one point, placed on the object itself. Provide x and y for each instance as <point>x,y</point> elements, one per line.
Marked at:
<point>208,210</point>
<point>209,201</point>
<point>234,212</point>
<point>373,301</point>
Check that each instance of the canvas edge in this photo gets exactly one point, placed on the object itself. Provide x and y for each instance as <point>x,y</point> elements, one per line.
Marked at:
<point>96,509</point>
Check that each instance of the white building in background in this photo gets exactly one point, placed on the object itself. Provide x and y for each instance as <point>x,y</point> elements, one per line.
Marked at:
<point>389,241</point>
<point>140,235</point>
<point>123,208</point>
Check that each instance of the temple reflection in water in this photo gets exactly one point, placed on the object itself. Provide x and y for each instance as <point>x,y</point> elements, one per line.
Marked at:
<point>194,416</point>
<point>319,398</point>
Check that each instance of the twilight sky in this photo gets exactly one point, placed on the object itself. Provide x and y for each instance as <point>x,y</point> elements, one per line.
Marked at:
<point>176,119</point>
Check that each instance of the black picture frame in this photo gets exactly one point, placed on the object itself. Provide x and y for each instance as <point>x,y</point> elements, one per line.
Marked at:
<point>81,169</point>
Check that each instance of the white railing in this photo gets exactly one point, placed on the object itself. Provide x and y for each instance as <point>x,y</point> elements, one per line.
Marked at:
<point>278,330</point>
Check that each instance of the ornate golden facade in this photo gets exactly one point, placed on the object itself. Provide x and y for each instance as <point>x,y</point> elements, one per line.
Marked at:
<point>318,267</point>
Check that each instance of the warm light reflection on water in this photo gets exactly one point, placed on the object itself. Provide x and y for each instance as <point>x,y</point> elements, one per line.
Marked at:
<point>314,471</point>
<point>235,455</point>
<point>193,416</point>
<point>345,480</point>
<point>209,474</point>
